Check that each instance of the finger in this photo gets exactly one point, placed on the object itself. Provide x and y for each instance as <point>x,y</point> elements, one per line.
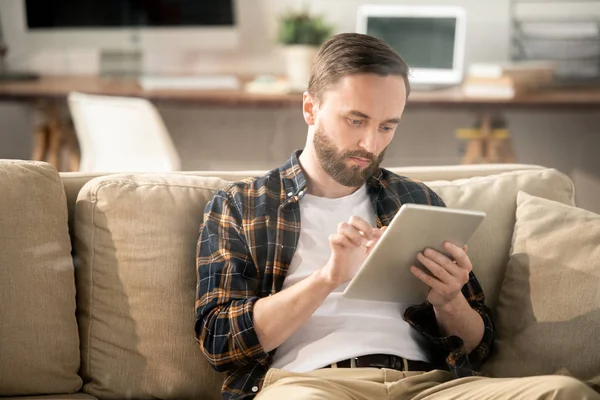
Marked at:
<point>377,234</point>
<point>437,270</point>
<point>339,240</point>
<point>444,262</point>
<point>427,279</point>
<point>459,271</point>
<point>439,258</point>
<point>351,233</point>
<point>372,242</point>
<point>459,255</point>
<point>361,225</point>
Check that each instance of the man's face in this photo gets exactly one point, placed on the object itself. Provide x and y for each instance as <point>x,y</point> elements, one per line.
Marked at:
<point>354,123</point>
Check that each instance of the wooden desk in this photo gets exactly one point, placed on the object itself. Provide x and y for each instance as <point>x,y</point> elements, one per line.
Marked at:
<point>52,88</point>
<point>57,88</point>
<point>485,144</point>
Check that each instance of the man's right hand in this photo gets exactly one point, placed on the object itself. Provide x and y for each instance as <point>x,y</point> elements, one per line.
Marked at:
<point>277,317</point>
<point>350,247</point>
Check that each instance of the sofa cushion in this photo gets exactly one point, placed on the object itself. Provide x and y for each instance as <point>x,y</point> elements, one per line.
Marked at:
<point>136,237</point>
<point>548,314</point>
<point>496,195</point>
<point>39,344</point>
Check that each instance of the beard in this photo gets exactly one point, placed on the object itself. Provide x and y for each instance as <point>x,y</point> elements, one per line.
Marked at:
<point>333,161</point>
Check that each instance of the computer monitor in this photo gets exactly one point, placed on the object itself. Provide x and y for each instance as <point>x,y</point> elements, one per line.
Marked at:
<point>109,23</point>
<point>164,30</point>
<point>431,39</point>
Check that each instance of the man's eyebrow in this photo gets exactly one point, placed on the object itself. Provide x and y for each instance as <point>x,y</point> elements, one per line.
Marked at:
<point>359,114</point>
<point>392,121</point>
<point>365,116</point>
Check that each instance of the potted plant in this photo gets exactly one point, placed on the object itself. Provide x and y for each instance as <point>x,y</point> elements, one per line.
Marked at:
<point>301,35</point>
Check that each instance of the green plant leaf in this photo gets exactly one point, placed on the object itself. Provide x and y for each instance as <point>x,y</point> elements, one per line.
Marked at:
<point>302,28</point>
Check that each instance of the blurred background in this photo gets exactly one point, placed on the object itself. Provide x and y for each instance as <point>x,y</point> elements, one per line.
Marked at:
<point>157,85</point>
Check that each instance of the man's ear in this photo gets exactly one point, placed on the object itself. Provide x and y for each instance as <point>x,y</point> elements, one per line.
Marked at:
<point>309,108</point>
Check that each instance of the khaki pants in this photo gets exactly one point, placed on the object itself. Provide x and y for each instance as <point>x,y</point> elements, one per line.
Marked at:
<point>372,384</point>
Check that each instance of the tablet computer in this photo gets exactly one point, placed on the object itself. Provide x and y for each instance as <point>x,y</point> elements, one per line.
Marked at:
<point>385,275</point>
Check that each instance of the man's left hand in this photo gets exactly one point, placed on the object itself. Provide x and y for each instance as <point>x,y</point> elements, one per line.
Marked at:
<point>447,276</point>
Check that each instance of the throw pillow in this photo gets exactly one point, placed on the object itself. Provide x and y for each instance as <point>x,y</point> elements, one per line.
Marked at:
<point>548,314</point>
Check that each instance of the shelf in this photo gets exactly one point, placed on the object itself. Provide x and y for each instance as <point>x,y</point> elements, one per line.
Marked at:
<point>538,39</point>
<point>572,36</point>
<point>545,20</point>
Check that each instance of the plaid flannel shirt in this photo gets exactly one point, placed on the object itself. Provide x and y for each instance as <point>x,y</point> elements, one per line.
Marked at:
<point>247,240</point>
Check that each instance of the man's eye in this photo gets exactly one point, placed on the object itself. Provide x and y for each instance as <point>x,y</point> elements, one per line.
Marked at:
<point>387,128</point>
<point>355,121</point>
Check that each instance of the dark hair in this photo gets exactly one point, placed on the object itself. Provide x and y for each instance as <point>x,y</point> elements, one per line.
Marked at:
<point>354,53</point>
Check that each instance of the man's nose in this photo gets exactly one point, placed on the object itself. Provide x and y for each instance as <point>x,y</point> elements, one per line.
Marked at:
<point>369,141</point>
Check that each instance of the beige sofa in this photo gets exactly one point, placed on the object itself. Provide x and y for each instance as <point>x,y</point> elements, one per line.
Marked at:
<point>98,277</point>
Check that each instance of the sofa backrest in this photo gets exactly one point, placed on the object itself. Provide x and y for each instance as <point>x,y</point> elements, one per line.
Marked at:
<point>74,181</point>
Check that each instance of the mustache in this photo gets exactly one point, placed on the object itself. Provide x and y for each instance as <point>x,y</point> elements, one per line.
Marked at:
<point>360,153</point>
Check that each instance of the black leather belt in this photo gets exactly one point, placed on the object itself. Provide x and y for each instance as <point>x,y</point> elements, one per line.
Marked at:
<point>383,361</point>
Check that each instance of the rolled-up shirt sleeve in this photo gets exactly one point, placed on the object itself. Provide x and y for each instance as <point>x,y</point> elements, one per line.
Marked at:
<point>452,348</point>
<point>226,291</point>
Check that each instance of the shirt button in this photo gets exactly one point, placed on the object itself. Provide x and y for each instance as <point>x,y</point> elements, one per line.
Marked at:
<point>254,389</point>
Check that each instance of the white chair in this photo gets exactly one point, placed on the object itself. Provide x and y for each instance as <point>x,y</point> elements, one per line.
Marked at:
<point>121,134</point>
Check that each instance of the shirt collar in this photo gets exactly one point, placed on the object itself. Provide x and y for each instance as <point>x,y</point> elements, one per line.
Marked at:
<point>292,176</point>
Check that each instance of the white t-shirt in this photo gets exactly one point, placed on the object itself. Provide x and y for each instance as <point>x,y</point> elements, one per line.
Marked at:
<point>341,328</point>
